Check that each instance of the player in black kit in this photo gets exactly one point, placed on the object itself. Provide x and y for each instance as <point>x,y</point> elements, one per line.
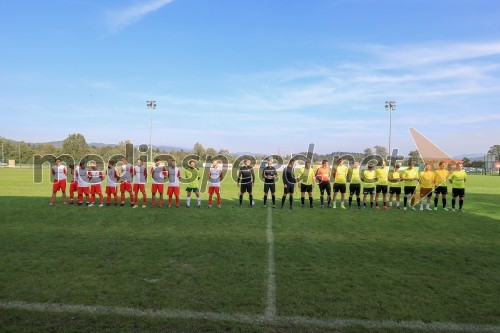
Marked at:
<point>269,174</point>
<point>289,182</point>
<point>246,180</point>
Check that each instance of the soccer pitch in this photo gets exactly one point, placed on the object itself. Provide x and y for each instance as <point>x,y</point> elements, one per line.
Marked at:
<point>112,269</point>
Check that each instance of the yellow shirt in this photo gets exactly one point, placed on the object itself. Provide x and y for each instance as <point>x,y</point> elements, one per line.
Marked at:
<point>427,179</point>
<point>396,182</point>
<point>355,177</point>
<point>306,176</point>
<point>341,174</point>
<point>458,179</point>
<point>382,175</point>
<point>440,177</point>
<point>369,178</point>
<point>410,174</point>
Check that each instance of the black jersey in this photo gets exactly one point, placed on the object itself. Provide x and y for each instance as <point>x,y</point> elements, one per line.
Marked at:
<point>246,175</point>
<point>269,171</point>
<point>288,176</point>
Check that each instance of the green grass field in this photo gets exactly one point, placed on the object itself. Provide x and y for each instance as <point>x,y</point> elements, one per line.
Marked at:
<point>112,269</point>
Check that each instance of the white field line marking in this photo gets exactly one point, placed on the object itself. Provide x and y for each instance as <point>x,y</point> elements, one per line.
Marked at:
<point>248,319</point>
<point>271,279</point>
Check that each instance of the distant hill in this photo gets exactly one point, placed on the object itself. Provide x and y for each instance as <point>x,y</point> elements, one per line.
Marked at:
<point>472,156</point>
<point>58,144</point>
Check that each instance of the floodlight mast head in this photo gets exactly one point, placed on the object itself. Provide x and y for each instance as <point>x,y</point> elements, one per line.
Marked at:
<point>390,105</point>
<point>151,104</point>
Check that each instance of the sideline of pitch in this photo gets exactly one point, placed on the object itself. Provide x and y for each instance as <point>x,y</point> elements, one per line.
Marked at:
<point>248,319</point>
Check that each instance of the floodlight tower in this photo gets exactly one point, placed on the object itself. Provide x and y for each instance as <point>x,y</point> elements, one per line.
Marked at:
<point>390,106</point>
<point>151,105</point>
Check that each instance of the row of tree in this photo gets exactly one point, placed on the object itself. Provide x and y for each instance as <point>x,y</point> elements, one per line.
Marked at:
<point>76,146</point>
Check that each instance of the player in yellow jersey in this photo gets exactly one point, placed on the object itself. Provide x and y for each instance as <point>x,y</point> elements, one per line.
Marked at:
<point>193,175</point>
<point>382,175</point>
<point>340,184</point>
<point>306,180</point>
<point>369,180</point>
<point>410,177</point>
<point>457,180</point>
<point>395,186</point>
<point>440,183</point>
<point>426,185</point>
<point>354,178</point>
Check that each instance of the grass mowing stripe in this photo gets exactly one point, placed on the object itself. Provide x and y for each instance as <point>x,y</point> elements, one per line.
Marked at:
<point>271,282</point>
<point>249,319</point>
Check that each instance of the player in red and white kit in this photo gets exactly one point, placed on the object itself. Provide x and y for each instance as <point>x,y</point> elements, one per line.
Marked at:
<point>73,186</point>
<point>140,176</point>
<point>214,179</point>
<point>96,178</point>
<point>59,174</point>
<point>127,170</point>
<point>83,176</point>
<point>173,174</point>
<point>158,173</point>
<point>112,179</point>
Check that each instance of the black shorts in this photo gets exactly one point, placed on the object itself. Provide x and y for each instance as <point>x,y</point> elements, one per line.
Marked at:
<point>458,192</point>
<point>289,189</point>
<point>246,188</point>
<point>369,190</point>
<point>441,190</point>
<point>269,187</point>
<point>354,189</point>
<point>339,187</point>
<point>395,190</point>
<point>410,189</point>
<point>381,189</point>
<point>305,188</point>
<point>325,186</point>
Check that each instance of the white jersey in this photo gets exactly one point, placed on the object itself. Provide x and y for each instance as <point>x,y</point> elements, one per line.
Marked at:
<point>96,176</point>
<point>83,177</point>
<point>140,174</point>
<point>59,172</point>
<point>127,171</point>
<point>158,174</point>
<point>214,176</point>
<point>174,174</point>
<point>112,177</point>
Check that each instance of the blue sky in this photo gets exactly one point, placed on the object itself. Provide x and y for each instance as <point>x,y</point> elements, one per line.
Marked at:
<point>252,76</point>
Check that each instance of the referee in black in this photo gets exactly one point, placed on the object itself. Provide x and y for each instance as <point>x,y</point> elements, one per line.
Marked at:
<point>246,180</point>
<point>269,174</point>
<point>289,182</point>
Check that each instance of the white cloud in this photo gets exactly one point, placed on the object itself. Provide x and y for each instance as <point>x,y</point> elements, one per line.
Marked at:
<point>120,19</point>
<point>432,53</point>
